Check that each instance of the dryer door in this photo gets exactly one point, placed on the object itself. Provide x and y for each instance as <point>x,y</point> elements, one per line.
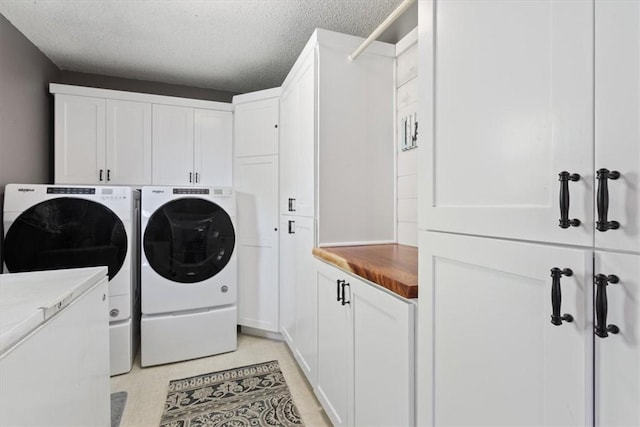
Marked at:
<point>189,240</point>
<point>65,232</point>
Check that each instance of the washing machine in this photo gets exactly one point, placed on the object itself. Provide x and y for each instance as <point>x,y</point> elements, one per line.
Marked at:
<point>51,227</point>
<point>188,273</point>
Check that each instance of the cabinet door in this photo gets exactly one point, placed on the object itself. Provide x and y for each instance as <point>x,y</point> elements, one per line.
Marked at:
<point>128,147</point>
<point>618,355</point>
<point>172,145</point>
<point>288,279</point>
<point>334,347</point>
<point>508,93</point>
<point>288,147</point>
<point>304,203</point>
<point>256,184</point>
<point>489,354</point>
<point>79,140</point>
<point>379,317</point>
<point>617,118</point>
<point>306,344</point>
<point>256,128</point>
<point>213,148</point>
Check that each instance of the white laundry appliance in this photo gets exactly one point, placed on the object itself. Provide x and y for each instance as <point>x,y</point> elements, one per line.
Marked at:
<point>189,273</point>
<point>51,227</point>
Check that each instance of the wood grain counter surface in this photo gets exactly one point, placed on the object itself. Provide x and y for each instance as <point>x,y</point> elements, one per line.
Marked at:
<point>391,266</point>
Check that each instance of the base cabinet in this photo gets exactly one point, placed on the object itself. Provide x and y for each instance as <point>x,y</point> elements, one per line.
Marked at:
<point>365,352</point>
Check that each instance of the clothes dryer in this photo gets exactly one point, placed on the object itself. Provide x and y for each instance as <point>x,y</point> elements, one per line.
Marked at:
<point>51,227</point>
<point>189,273</point>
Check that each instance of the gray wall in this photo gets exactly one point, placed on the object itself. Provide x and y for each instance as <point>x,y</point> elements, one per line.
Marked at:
<point>142,86</point>
<point>26,110</point>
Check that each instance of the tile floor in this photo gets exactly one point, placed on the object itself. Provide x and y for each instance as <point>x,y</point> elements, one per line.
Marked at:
<point>147,387</point>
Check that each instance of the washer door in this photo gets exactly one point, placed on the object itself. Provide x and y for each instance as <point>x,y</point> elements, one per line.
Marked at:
<point>63,233</point>
<point>189,240</point>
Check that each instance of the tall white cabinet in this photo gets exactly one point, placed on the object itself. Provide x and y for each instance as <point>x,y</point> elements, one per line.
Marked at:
<point>256,121</point>
<point>529,213</point>
<point>336,169</point>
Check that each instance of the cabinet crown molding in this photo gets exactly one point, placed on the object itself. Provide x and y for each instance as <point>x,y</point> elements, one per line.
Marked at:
<point>56,88</point>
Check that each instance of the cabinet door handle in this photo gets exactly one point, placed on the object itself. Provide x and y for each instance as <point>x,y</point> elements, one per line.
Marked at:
<point>565,177</point>
<point>290,226</point>
<point>602,305</point>
<point>344,285</point>
<point>108,175</point>
<point>556,296</point>
<point>197,177</point>
<point>338,282</point>
<point>290,207</point>
<point>190,176</point>
<point>602,198</point>
<point>100,175</point>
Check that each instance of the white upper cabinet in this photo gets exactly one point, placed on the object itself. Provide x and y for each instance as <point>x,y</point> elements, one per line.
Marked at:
<point>511,90</point>
<point>128,155</point>
<point>256,128</point>
<point>191,146</point>
<point>173,145</point>
<point>617,124</point>
<point>213,148</point>
<point>79,140</point>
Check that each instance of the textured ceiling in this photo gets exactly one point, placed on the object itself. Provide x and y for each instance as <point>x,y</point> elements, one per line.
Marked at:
<point>232,45</point>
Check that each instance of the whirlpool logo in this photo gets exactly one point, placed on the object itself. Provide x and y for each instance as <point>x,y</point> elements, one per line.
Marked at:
<point>158,191</point>
<point>26,190</point>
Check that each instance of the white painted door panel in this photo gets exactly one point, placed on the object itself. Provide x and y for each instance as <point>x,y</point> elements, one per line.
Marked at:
<point>617,115</point>
<point>306,344</point>
<point>489,353</point>
<point>383,357</point>
<point>256,128</point>
<point>256,184</point>
<point>172,145</point>
<point>288,147</point>
<point>304,203</point>
<point>79,139</point>
<point>288,280</point>
<point>617,356</point>
<point>335,340</point>
<point>213,148</point>
<point>128,155</point>
<point>512,107</point>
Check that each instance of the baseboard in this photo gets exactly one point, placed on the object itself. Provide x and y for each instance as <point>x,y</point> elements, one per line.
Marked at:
<point>260,333</point>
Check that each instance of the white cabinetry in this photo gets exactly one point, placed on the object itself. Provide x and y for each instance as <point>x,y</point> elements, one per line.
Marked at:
<point>191,146</point>
<point>336,169</point>
<point>256,184</point>
<point>102,141</point>
<point>550,89</point>
<point>365,352</point>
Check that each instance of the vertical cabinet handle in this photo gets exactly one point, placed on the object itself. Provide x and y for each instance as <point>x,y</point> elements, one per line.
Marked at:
<point>602,305</point>
<point>291,206</point>
<point>100,175</point>
<point>338,282</point>
<point>290,226</point>
<point>108,175</point>
<point>344,285</point>
<point>197,177</point>
<point>602,198</point>
<point>556,296</point>
<point>190,176</point>
<point>565,177</point>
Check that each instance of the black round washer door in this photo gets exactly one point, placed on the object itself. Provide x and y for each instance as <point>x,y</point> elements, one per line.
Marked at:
<point>189,240</point>
<point>66,232</point>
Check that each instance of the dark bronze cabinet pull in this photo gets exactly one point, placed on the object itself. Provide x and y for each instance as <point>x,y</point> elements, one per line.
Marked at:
<point>556,296</point>
<point>339,282</point>
<point>602,198</point>
<point>344,284</point>
<point>100,176</point>
<point>602,305</point>
<point>565,177</point>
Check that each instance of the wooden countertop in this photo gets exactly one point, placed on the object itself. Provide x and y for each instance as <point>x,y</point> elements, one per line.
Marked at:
<point>391,266</point>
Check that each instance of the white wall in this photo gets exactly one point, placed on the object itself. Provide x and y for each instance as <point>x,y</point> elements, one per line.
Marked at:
<point>407,103</point>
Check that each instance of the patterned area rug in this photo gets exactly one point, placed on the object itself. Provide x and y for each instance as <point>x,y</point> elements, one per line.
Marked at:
<point>250,396</point>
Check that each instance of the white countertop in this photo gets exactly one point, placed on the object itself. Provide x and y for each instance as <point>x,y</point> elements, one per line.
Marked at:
<point>29,299</point>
